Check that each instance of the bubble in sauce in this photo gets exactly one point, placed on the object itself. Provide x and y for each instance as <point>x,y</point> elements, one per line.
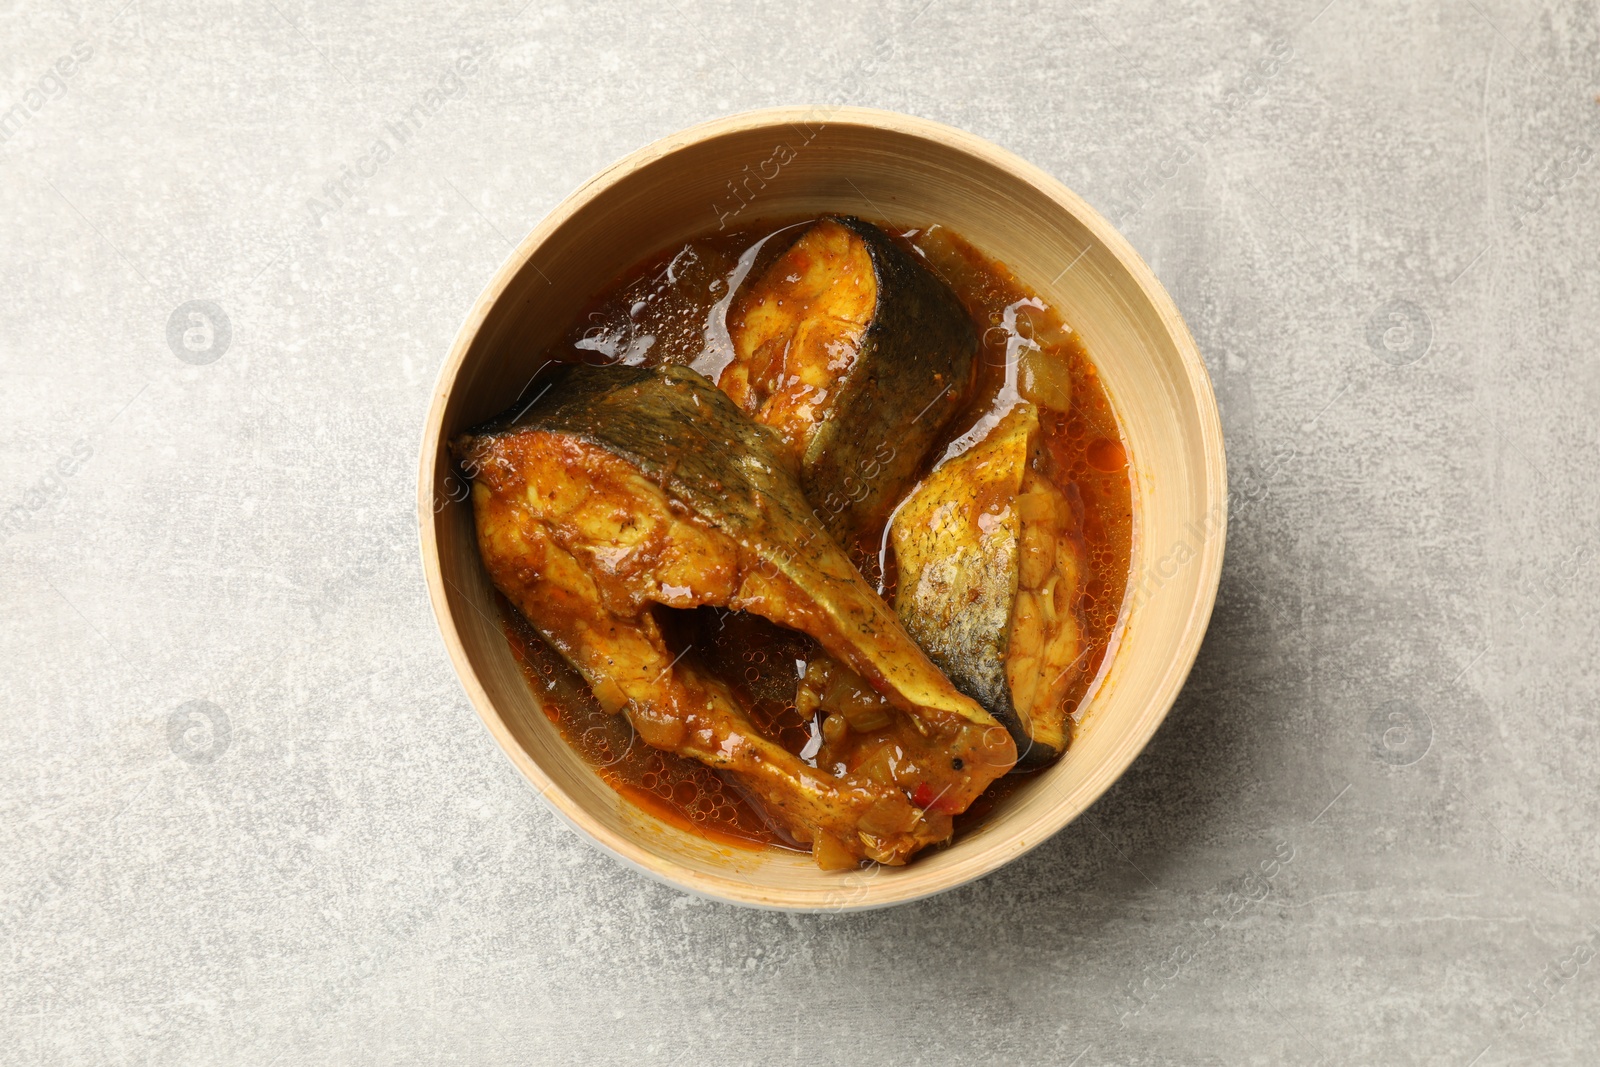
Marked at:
<point>1106,455</point>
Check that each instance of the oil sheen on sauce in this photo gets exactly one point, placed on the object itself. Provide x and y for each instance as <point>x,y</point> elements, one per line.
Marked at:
<point>672,308</point>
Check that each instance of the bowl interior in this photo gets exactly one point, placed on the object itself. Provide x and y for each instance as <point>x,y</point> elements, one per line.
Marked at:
<point>791,162</point>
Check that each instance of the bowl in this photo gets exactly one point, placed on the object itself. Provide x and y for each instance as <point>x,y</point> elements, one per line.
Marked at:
<point>786,162</point>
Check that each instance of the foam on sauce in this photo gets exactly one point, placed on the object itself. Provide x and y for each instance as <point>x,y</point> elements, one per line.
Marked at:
<point>672,308</point>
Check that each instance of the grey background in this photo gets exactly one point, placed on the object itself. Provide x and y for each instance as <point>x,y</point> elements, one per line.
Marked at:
<point>1387,249</point>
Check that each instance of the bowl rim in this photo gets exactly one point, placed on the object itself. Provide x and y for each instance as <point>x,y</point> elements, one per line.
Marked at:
<point>1209,558</point>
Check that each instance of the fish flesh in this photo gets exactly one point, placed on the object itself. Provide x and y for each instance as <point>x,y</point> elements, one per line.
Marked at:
<point>989,578</point>
<point>858,356</point>
<point>623,491</point>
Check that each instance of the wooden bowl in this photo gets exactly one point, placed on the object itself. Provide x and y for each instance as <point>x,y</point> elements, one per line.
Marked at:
<point>788,162</point>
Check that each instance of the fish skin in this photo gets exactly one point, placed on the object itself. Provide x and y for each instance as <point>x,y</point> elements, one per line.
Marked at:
<point>912,374</point>
<point>959,576</point>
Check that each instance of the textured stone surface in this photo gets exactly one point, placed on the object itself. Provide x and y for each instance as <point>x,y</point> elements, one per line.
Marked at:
<point>1380,220</point>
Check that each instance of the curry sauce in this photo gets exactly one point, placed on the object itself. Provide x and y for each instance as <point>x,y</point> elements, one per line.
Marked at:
<point>674,308</point>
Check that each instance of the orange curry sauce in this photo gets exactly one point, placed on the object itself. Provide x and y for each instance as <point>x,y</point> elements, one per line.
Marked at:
<point>672,308</point>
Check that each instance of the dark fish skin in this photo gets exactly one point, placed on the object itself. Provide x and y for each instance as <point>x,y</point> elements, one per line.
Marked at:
<point>913,372</point>
<point>648,414</point>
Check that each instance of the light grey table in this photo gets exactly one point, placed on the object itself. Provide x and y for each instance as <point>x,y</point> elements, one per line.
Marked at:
<point>248,815</point>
